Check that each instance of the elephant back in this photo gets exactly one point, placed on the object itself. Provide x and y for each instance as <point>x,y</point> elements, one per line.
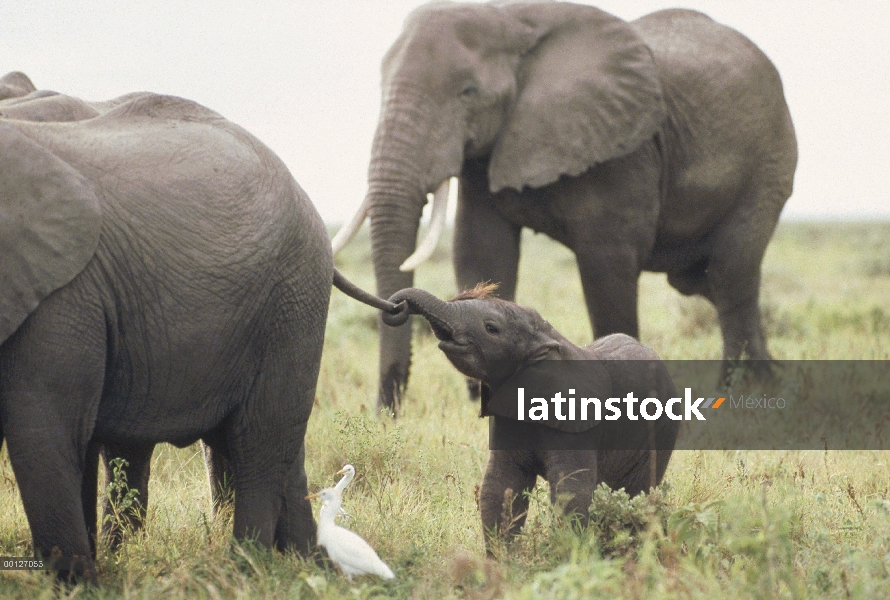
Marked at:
<point>47,106</point>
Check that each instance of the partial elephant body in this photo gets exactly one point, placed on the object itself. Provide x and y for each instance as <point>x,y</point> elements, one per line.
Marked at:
<point>496,342</point>
<point>664,144</point>
<point>191,304</point>
<point>20,100</point>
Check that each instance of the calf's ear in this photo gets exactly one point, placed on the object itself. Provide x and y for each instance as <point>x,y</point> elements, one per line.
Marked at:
<point>546,349</point>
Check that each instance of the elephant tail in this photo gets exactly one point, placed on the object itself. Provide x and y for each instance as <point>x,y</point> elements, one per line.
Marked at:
<point>398,313</point>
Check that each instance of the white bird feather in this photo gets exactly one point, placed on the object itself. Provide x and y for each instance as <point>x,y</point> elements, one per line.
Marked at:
<point>352,554</point>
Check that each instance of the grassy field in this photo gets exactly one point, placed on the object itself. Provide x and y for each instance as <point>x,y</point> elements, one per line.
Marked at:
<point>725,524</point>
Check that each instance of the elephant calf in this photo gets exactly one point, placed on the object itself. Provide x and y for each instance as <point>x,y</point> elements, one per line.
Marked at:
<point>497,341</point>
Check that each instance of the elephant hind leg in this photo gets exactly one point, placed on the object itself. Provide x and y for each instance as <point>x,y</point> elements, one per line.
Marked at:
<point>296,526</point>
<point>270,492</point>
<point>734,277</point>
<point>264,438</point>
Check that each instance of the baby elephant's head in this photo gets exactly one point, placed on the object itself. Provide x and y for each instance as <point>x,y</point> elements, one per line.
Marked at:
<point>484,337</point>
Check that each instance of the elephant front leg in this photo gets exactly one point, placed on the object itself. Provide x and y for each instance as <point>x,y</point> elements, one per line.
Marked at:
<point>125,501</point>
<point>395,365</point>
<point>52,372</point>
<point>609,276</point>
<point>486,245</point>
<point>503,499</point>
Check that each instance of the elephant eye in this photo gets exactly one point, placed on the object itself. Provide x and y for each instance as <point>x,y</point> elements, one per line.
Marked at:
<point>469,91</point>
<point>492,329</point>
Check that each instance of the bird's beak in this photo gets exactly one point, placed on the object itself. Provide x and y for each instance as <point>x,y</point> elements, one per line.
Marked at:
<point>341,472</point>
<point>311,496</point>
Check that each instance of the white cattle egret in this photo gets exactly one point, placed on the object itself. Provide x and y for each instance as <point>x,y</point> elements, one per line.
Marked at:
<point>351,554</point>
<point>348,473</point>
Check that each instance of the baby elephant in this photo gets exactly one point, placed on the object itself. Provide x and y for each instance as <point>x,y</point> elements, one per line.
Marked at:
<point>498,342</point>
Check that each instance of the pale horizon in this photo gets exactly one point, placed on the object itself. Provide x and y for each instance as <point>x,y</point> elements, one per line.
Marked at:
<point>304,78</point>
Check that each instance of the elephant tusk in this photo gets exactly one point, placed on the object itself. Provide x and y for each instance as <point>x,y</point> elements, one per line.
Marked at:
<point>348,231</point>
<point>437,225</point>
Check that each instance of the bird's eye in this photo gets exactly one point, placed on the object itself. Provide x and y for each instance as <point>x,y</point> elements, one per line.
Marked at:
<point>492,329</point>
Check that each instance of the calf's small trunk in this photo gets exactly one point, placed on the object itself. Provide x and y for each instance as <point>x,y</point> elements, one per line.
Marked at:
<point>440,314</point>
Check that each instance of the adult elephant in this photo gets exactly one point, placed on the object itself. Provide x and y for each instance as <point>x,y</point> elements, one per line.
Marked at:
<point>165,279</point>
<point>663,144</point>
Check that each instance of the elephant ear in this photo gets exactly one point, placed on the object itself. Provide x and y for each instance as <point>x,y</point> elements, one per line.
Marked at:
<point>49,225</point>
<point>543,379</point>
<point>15,85</point>
<point>588,91</point>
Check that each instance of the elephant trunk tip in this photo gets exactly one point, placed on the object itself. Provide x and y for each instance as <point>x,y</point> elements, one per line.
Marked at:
<point>399,315</point>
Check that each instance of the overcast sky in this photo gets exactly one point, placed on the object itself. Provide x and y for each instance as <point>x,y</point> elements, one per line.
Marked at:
<point>304,77</point>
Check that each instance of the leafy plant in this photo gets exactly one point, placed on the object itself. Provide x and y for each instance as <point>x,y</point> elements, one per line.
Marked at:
<point>122,500</point>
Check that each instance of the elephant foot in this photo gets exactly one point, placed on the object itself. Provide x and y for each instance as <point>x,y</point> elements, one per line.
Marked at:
<point>75,570</point>
<point>748,371</point>
<point>392,390</point>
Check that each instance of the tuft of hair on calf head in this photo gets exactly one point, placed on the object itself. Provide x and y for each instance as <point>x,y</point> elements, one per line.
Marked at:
<point>483,289</point>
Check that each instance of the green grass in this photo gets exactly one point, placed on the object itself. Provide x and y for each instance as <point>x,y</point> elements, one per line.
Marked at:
<point>725,525</point>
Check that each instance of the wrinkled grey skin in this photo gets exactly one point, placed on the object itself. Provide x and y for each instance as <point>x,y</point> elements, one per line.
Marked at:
<point>20,100</point>
<point>491,340</point>
<point>165,280</point>
<point>663,144</point>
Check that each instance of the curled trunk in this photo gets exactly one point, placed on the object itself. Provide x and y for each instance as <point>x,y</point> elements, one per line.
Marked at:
<point>440,314</point>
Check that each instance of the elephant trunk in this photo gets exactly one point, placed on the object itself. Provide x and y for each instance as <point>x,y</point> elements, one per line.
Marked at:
<point>397,188</point>
<point>441,315</point>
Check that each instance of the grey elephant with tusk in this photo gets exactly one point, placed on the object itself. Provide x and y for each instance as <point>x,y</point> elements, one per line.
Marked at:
<point>497,341</point>
<point>662,144</point>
